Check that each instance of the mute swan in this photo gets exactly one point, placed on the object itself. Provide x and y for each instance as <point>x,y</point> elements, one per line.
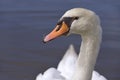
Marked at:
<point>87,24</point>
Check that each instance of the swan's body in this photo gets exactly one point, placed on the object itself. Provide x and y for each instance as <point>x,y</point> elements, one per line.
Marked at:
<point>85,23</point>
<point>65,68</point>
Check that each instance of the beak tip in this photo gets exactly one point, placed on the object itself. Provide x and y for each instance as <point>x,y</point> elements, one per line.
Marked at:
<point>44,41</point>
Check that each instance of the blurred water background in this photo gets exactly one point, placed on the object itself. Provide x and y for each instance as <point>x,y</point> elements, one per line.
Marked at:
<point>24,23</point>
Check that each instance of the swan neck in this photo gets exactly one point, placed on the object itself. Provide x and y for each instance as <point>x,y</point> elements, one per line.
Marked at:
<point>87,57</point>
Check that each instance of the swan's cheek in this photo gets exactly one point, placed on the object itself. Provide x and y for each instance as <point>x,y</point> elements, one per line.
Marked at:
<point>74,29</point>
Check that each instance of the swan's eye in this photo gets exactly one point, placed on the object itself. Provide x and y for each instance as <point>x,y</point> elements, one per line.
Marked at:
<point>76,18</point>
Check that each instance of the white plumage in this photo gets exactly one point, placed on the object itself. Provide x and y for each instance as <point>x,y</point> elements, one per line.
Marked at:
<point>65,68</point>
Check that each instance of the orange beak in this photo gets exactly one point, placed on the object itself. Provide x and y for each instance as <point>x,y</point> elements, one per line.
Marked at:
<point>58,31</point>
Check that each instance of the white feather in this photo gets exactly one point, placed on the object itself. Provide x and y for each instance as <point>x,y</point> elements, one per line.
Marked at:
<point>66,68</point>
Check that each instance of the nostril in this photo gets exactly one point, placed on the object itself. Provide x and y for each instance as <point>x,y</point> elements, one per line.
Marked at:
<point>58,28</point>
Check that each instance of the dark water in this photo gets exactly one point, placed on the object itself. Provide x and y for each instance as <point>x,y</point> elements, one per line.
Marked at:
<point>23,23</point>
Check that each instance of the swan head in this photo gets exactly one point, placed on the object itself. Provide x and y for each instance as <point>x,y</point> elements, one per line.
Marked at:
<point>78,21</point>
